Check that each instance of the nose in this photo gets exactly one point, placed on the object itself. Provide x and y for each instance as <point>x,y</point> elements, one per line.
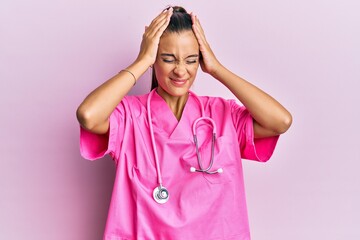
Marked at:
<point>180,69</point>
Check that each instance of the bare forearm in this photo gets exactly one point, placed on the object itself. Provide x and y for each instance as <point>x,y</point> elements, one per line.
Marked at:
<point>94,111</point>
<point>266,111</point>
<point>271,118</point>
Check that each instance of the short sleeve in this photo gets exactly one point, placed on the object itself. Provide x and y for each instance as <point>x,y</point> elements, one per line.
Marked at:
<point>94,146</point>
<point>259,149</point>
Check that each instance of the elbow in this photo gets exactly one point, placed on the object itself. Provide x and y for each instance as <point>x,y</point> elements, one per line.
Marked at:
<point>284,124</point>
<point>84,118</point>
<point>91,121</point>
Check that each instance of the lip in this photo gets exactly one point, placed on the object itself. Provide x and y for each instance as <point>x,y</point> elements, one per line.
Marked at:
<point>178,82</point>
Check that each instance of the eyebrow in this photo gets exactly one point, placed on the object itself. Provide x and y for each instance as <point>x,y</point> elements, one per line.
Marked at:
<point>172,55</point>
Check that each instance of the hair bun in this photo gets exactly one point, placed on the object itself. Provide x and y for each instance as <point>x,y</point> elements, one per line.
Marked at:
<point>177,9</point>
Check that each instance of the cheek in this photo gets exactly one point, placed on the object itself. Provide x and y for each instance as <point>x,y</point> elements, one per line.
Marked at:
<point>162,67</point>
<point>161,71</point>
<point>193,69</point>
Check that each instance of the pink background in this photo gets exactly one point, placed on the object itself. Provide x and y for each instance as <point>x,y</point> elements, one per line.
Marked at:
<point>304,53</point>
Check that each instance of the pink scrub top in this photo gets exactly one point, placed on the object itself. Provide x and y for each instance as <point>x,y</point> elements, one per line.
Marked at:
<point>201,206</point>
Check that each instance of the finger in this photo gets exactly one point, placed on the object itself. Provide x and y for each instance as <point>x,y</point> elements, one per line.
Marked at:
<point>156,25</point>
<point>160,26</point>
<point>198,25</point>
<point>199,33</point>
<point>192,18</point>
<point>160,17</point>
<point>155,29</point>
<point>195,25</point>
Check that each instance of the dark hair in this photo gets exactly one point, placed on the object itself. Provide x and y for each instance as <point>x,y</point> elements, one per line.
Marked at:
<point>180,21</point>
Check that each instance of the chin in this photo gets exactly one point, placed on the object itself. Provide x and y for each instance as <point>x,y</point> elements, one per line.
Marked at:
<point>178,92</point>
<point>175,91</point>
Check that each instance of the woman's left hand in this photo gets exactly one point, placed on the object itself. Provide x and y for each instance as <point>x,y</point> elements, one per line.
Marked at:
<point>270,117</point>
<point>208,61</point>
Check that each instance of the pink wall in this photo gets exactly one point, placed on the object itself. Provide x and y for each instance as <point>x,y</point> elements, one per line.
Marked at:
<point>304,53</point>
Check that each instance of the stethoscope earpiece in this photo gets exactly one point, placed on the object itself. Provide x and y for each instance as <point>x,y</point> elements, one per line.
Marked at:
<point>193,169</point>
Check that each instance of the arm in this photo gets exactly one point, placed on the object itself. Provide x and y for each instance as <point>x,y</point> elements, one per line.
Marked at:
<point>93,113</point>
<point>270,117</point>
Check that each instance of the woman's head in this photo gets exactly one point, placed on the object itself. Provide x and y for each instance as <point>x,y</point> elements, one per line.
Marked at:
<point>180,21</point>
<point>177,59</point>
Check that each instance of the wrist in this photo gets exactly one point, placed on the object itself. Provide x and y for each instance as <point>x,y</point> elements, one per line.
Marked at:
<point>144,61</point>
<point>138,67</point>
<point>216,71</point>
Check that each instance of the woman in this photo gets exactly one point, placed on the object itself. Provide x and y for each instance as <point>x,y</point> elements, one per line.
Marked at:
<point>170,185</point>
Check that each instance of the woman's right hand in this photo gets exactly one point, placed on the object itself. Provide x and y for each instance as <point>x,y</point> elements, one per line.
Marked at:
<point>151,37</point>
<point>93,113</point>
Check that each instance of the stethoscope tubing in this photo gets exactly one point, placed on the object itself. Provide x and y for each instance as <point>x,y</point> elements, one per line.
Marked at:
<point>158,171</point>
<point>202,169</point>
<point>160,193</point>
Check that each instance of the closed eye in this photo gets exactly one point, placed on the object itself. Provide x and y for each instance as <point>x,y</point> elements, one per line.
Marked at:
<point>191,61</point>
<point>168,60</point>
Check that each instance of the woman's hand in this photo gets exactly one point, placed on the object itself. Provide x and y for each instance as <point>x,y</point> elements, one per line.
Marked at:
<point>271,118</point>
<point>151,37</point>
<point>208,61</point>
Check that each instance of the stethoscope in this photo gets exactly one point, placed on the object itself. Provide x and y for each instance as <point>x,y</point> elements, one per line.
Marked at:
<point>161,194</point>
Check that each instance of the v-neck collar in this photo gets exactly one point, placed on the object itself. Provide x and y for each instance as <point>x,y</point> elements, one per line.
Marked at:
<point>166,123</point>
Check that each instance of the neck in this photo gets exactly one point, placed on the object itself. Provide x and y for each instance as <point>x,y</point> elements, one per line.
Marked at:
<point>175,103</point>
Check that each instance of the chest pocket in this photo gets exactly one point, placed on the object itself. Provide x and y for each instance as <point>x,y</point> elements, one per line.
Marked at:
<point>226,157</point>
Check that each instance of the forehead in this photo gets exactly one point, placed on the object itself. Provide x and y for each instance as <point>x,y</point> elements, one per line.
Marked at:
<point>182,43</point>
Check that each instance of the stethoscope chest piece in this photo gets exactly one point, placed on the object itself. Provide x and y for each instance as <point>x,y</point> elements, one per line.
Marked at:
<point>161,195</point>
